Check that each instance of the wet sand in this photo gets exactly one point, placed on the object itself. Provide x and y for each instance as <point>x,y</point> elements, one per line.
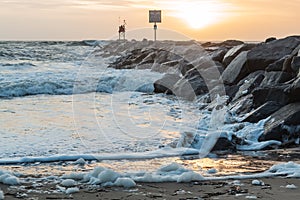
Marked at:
<point>274,188</point>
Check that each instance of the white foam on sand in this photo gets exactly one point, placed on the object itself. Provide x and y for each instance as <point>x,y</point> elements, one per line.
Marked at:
<point>8,178</point>
<point>175,172</point>
<point>1,195</point>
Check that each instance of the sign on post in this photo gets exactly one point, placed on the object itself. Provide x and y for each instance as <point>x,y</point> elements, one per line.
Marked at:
<point>155,17</point>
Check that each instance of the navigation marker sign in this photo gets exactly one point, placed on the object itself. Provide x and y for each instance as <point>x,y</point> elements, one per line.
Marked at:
<point>155,17</point>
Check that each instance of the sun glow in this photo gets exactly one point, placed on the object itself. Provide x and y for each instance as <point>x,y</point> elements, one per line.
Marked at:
<point>198,14</point>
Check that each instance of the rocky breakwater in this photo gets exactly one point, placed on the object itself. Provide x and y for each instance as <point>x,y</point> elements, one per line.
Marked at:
<point>262,80</point>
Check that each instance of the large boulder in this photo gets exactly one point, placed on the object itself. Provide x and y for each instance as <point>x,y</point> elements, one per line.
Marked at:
<point>166,83</point>
<point>260,57</point>
<point>236,70</point>
<point>270,93</point>
<point>263,55</point>
<point>262,112</point>
<point>283,125</point>
<point>234,51</point>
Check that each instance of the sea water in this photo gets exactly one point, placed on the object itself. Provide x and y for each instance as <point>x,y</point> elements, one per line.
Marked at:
<point>60,98</point>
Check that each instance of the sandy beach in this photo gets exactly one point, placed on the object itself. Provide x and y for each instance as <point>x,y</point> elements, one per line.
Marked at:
<point>273,188</point>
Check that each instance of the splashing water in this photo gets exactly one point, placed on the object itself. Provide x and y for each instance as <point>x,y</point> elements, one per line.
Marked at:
<point>217,121</point>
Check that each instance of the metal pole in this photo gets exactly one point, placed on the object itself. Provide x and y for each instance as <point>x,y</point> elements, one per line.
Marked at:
<point>155,28</point>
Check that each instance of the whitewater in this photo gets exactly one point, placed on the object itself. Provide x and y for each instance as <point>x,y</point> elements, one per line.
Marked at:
<point>59,102</point>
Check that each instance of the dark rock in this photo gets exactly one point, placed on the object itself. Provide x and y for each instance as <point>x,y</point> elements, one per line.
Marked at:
<point>235,70</point>
<point>277,65</point>
<point>185,68</point>
<point>231,43</point>
<point>263,55</point>
<point>149,58</point>
<point>262,112</point>
<point>219,54</point>
<point>276,93</point>
<point>275,78</point>
<point>166,67</point>
<point>234,51</point>
<point>294,90</point>
<point>223,144</point>
<point>295,65</point>
<point>243,105</point>
<point>270,39</point>
<point>259,58</point>
<point>166,83</point>
<point>248,84</point>
<point>287,64</point>
<point>227,43</point>
<point>231,90</point>
<point>166,56</point>
<point>277,128</point>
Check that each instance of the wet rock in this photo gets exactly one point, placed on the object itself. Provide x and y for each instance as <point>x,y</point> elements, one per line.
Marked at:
<point>234,51</point>
<point>248,84</point>
<point>276,93</point>
<point>236,70</point>
<point>283,124</point>
<point>262,112</point>
<point>223,144</point>
<point>243,105</point>
<point>166,83</point>
<point>231,90</point>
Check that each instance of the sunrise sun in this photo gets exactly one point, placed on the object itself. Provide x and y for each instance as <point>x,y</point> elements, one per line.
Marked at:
<point>198,14</point>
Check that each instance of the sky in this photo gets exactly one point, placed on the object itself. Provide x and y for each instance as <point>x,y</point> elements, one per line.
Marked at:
<point>203,20</point>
